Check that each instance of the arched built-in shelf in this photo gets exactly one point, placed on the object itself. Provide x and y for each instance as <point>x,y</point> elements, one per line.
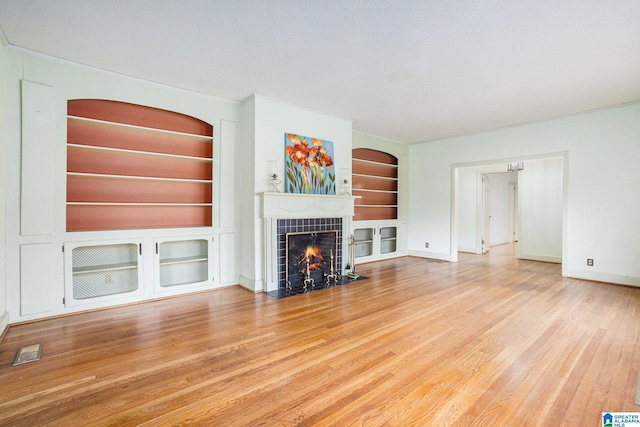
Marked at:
<point>375,181</point>
<point>131,166</point>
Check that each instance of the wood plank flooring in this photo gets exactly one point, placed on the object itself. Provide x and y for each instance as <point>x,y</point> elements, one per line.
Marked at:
<point>488,341</point>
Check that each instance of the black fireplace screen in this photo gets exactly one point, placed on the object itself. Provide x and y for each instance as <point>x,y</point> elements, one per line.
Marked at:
<point>310,255</point>
<point>314,228</point>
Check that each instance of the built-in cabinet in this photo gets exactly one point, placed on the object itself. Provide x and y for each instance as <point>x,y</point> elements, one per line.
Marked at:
<point>374,241</point>
<point>375,184</point>
<point>98,271</point>
<point>95,159</point>
<point>182,262</point>
<point>133,167</point>
<point>106,270</point>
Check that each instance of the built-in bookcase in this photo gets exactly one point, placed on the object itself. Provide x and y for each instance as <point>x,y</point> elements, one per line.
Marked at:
<point>375,182</point>
<point>132,166</point>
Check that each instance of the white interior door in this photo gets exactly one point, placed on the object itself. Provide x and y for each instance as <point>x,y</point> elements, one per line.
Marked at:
<point>486,209</point>
<point>513,212</point>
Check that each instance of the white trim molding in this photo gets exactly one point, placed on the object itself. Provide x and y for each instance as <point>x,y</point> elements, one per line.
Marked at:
<point>275,206</point>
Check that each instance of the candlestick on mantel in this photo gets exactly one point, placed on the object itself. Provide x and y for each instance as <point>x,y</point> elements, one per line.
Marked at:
<point>274,181</point>
<point>345,182</point>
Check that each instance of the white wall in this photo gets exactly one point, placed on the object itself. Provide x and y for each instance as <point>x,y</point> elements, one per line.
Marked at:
<point>601,180</point>
<point>467,209</point>
<point>249,248</point>
<point>540,188</point>
<point>34,240</point>
<point>272,119</point>
<point>4,317</point>
<point>470,214</point>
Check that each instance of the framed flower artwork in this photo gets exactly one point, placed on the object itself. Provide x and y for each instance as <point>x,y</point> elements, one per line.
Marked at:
<point>309,165</point>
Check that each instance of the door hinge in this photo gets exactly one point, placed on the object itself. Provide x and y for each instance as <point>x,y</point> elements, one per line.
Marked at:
<point>140,248</point>
<point>156,248</point>
<point>213,239</point>
<point>63,301</point>
<point>62,248</point>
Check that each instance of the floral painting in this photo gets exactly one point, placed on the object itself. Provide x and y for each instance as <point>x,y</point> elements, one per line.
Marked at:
<point>309,165</point>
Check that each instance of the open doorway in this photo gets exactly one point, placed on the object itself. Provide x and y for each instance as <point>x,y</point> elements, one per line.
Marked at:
<point>499,209</point>
<point>531,208</point>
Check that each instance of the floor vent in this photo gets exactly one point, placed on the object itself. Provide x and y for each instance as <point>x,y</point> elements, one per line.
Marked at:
<point>29,353</point>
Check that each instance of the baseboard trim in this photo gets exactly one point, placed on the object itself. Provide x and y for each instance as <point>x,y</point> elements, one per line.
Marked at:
<point>251,284</point>
<point>467,249</point>
<point>543,258</point>
<point>394,256</point>
<point>4,324</point>
<point>604,277</point>
<point>430,255</point>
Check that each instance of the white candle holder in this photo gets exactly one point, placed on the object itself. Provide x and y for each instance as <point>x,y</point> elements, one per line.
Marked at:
<point>345,187</point>
<point>274,182</point>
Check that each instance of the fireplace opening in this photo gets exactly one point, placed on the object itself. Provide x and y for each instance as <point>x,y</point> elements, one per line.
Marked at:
<point>311,259</point>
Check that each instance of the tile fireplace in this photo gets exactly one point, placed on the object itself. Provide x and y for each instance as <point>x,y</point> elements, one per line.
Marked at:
<point>301,230</point>
<point>309,252</point>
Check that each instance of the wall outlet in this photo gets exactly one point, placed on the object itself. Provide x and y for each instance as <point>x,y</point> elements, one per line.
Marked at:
<point>590,262</point>
<point>426,245</point>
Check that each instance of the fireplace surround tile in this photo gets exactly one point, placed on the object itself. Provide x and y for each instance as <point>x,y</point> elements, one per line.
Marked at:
<point>310,225</point>
<point>284,213</point>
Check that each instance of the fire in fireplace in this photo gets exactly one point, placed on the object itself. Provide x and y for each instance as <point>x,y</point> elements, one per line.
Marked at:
<point>311,258</point>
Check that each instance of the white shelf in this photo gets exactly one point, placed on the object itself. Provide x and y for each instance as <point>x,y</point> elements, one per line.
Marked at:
<point>140,129</point>
<point>183,260</point>
<point>134,204</point>
<point>371,162</point>
<point>105,267</point>
<point>376,206</point>
<point>366,190</point>
<point>361,175</point>
<point>136,177</point>
<point>138,152</point>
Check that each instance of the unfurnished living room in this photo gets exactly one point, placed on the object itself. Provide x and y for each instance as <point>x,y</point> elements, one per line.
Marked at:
<point>334,213</point>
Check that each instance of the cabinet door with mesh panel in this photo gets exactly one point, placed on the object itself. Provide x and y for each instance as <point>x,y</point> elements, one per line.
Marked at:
<point>99,271</point>
<point>181,262</point>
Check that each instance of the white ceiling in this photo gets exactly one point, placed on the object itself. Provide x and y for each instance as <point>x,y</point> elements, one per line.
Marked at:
<point>406,70</point>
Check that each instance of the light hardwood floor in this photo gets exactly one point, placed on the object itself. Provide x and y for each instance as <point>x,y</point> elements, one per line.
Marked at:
<point>488,341</point>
